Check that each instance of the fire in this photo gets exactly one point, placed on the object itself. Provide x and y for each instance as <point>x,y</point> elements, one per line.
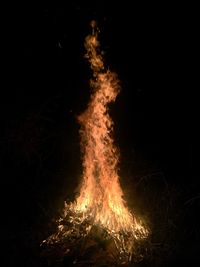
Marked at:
<point>101,194</point>
<point>100,199</point>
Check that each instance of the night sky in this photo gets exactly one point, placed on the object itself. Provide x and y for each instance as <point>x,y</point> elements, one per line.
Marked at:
<point>48,86</point>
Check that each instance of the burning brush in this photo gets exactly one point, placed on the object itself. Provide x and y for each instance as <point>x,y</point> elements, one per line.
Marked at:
<point>100,204</point>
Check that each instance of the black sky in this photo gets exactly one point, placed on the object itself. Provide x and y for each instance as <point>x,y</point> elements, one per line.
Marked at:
<point>145,45</point>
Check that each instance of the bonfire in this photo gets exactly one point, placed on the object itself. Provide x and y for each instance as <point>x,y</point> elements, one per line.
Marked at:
<point>100,204</point>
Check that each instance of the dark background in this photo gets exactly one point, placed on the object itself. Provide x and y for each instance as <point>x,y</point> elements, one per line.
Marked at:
<point>47,86</point>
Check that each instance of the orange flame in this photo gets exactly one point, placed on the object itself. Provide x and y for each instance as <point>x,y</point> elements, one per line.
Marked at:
<point>101,196</point>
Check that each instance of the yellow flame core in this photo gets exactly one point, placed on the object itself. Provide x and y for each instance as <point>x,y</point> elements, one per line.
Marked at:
<point>101,196</point>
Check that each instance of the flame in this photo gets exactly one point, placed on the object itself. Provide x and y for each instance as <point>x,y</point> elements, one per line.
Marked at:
<point>101,198</point>
<point>101,194</point>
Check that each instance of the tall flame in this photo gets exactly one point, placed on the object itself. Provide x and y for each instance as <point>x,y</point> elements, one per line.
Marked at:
<point>101,195</point>
<point>100,201</point>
